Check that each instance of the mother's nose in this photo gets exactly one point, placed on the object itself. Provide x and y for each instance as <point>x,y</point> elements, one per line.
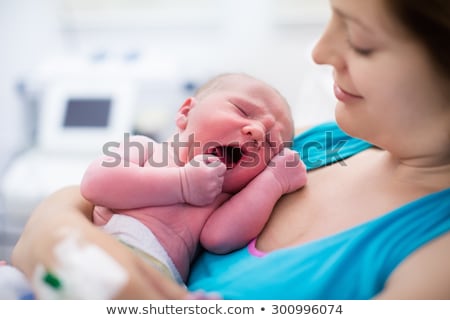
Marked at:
<point>331,46</point>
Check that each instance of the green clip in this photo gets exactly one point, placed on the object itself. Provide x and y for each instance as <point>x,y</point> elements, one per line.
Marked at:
<point>52,281</point>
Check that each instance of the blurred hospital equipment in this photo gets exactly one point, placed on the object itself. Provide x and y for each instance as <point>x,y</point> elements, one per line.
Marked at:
<point>82,103</point>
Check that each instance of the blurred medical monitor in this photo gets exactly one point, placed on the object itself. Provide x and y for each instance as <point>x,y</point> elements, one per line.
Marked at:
<point>76,118</point>
<point>82,116</point>
<point>87,112</point>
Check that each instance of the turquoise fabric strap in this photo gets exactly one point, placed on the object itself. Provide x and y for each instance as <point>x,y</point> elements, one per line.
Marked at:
<point>326,144</point>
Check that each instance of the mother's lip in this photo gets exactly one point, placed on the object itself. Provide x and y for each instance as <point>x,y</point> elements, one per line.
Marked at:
<point>343,95</point>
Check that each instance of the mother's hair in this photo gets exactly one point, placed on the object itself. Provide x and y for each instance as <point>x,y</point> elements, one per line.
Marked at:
<point>429,22</point>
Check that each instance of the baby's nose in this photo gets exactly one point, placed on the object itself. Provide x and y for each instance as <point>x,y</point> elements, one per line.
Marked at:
<point>254,131</point>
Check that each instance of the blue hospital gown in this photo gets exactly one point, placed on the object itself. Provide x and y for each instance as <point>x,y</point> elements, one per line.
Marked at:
<point>353,264</point>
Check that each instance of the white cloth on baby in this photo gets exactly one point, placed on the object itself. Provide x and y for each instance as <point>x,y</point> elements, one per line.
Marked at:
<point>138,236</point>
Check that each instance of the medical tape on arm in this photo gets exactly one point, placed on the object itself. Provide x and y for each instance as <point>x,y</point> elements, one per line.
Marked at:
<point>83,271</point>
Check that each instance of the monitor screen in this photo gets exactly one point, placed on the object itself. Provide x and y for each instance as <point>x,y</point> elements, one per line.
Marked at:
<point>87,112</point>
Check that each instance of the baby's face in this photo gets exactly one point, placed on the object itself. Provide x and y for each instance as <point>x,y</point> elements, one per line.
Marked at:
<point>244,123</point>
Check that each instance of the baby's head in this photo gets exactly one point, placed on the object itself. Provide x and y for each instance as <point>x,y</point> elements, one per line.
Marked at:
<point>240,119</point>
<point>238,82</point>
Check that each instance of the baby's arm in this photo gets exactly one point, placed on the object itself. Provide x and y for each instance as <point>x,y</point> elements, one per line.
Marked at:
<point>121,180</point>
<point>242,218</point>
<point>124,180</point>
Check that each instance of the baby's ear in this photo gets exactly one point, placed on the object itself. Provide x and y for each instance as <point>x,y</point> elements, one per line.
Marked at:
<point>182,114</point>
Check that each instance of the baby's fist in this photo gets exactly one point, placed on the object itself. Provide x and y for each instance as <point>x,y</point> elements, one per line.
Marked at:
<point>288,170</point>
<point>202,179</point>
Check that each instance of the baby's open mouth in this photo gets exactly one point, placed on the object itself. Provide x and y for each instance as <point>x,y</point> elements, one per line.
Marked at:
<point>229,155</point>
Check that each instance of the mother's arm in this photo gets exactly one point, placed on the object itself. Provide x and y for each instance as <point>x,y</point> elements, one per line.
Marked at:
<point>67,210</point>
<point>424,275</point>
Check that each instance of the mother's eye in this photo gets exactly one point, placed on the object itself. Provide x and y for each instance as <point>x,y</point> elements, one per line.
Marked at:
<point>362,52</point>
<point>359,50</point>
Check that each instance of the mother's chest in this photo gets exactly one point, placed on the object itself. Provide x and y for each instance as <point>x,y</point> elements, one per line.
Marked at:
<point>333,200</point>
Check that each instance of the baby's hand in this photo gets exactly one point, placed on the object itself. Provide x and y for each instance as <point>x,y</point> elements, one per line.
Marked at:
<point>202,179</point>
<point>288,170</point>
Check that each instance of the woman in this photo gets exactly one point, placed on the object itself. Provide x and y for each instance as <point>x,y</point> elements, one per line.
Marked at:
<point>374,218</point>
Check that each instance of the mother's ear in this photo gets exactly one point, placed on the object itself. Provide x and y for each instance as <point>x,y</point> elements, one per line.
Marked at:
<point>182,114</point>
